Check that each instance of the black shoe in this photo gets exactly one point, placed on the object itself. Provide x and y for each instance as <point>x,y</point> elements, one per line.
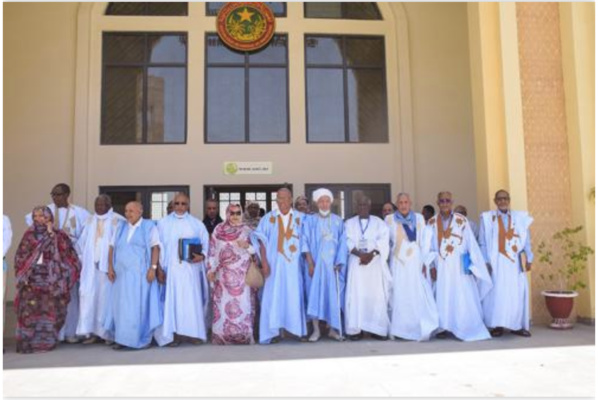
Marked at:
<point>378,337</point>
<point>442,335</point>
<point>496,332</point>
<point>355,338</point>
<point>522,332</point>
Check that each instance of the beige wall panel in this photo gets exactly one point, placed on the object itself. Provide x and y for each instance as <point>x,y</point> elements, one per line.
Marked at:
<point>545,130</point>
<point>39,97</point>
<point>441,93</point>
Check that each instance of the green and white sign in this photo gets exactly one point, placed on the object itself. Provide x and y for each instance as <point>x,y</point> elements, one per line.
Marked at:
<point>247,168</point>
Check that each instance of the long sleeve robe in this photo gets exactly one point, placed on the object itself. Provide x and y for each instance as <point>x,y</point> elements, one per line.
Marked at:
<point>325,240</point>
<point>459,294</point>
<point>282,302</point>
<point>368,286</point>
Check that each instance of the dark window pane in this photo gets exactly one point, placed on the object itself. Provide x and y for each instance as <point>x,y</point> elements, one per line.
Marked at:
<point>219,53</point>
<point>124,49</point>
<point>274,53</point>
<point>125,8</point>
<point>278,8</point>
<point>342,10</point>
<point>225,105</point>
<point>325,107</point>
<point>148,8</point>
<point>268,105</point>
<point>367,106</point>
<point>323,10</point>
<point>354,10</point>
<point>166,105</point>
<point>324,50</point>
<point>120,199</point>
<point>167,8</point>
<point>122,105</point>
<point>168,49</point>
<point>365,51</point>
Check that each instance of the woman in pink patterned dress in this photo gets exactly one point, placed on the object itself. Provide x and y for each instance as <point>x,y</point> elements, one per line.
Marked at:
<point>233,302</point>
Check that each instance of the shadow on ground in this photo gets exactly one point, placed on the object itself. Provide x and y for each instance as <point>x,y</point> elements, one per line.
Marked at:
<point>78,355</point>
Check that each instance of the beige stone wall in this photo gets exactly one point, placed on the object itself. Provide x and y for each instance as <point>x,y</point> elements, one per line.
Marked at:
<point>442,112</point>
<point>545,127</point>
<point>39,98</point>
<point>43,41</point>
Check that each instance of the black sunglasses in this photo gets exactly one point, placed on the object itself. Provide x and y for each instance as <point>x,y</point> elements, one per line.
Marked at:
<point>235,213</point>
<point>178,203</point>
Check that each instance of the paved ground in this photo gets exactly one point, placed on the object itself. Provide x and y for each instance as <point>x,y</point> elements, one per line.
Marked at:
<point>551,363</point>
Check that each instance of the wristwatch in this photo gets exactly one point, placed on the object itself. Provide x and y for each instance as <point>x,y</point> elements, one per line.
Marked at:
<point>376,252</point>
<point>154,267</point>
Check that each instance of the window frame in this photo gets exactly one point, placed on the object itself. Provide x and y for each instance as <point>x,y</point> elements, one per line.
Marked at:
<point>246,69</point>
<point>146,191</point>
<point>345,67</point>
<point>283,15</point>
<point>146,13</point>
<point>144,66</point>
<point>268,188</point>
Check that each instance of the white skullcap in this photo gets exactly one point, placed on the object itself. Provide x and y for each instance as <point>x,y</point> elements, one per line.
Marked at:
<point>322,192</point>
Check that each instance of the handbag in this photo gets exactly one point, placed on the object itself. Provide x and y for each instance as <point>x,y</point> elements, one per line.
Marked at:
<point>254,277</point>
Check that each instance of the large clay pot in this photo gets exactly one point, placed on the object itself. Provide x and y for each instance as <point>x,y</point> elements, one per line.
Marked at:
<point>560,305</point>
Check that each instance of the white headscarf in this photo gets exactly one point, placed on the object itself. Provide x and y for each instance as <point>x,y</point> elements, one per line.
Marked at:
<point>322,192</point>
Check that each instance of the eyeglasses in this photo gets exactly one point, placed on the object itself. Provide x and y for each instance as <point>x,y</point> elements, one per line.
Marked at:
<point>179,203</point>
<point>445,201</point>
<point>54,194</point>
<point>235,213</point>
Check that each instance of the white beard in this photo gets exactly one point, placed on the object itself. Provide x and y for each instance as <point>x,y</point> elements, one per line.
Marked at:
<point>324,213</point>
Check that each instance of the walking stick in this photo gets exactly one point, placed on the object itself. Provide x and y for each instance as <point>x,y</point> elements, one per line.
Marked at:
<point>338,298</point>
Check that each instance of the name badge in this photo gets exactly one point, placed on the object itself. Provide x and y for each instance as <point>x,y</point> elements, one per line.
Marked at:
<point>363,245</point>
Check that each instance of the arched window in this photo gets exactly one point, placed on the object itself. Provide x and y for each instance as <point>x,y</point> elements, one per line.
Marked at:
<point>342,10</point>
<point>148,9</point>
<point>278,8</point>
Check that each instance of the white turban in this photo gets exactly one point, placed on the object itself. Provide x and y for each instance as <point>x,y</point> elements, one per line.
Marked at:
<point>322,192</point>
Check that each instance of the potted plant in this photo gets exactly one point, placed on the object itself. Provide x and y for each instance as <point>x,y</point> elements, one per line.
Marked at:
<point>572,256</point>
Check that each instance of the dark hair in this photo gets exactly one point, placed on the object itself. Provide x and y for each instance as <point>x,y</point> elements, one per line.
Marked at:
<point>394,208</point>
<point>429,208</point>
<point>64,187</point>
<point>262,212</point>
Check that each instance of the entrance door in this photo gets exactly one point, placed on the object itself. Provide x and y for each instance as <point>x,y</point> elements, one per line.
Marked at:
<point>264,195</point>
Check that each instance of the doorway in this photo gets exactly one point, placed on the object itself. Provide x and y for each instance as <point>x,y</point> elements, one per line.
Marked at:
<point>264,195</point>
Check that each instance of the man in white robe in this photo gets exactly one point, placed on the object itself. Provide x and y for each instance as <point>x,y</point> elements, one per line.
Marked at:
<point>187,291</point>
<point>279,240</point>
<point>504,236</point>
<point>134,311</point>
<point>71,219</point>
<point>474,227</point>
<point>94,285</point>
<point>369,280</point>
<point>462,279</point>
<point>414,314</point>
<point>325,250</point>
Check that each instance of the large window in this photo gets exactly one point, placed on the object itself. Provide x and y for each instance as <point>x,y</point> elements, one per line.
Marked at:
<point>346,89</point>
<point>144,88</point>
<point>146,8</point>
<point>154,199</point>
<point>342,10</point>
<point>346,197</point>
<point>246,93</point>
<point>279,9</point>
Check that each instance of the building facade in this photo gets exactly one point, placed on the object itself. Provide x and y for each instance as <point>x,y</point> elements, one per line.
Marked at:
<point>376,98</point>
